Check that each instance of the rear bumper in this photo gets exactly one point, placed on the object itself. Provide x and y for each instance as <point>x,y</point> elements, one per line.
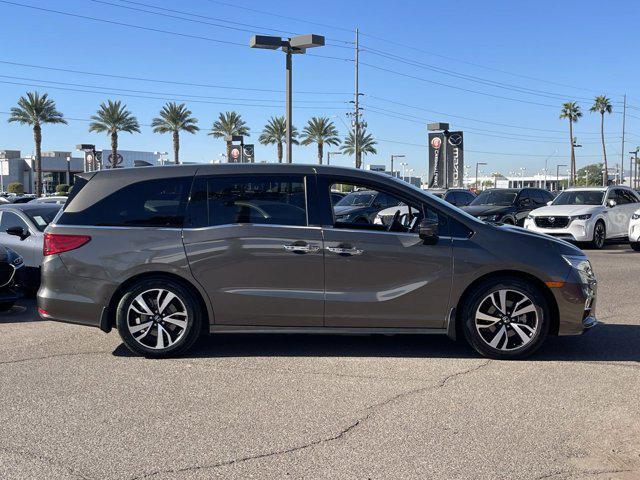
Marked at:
<point>69,298</point>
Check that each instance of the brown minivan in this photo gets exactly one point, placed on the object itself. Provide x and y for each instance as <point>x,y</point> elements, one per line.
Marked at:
<point>167,253</point>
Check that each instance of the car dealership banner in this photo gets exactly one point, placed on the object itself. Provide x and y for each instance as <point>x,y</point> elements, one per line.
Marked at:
<point>446,159</point>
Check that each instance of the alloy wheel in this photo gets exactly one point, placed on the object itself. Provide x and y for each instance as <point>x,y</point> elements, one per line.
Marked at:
<point>157,318</point>
<point>599,235</point>
<point>507,320</point>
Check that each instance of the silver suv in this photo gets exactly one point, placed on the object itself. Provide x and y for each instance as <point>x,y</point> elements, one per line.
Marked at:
<point>167,253</point>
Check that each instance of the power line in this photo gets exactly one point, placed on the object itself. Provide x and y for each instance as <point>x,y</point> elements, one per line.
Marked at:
<point>150,29</point>
<point>156,80</point>
<point>491,83</point>
<point>276,15</point>
<point>169,15</point>
<point>411,47</point>
<point>105,92</point>
<point>110,89</point>
<point>468,90</point>
<point>415,107</point>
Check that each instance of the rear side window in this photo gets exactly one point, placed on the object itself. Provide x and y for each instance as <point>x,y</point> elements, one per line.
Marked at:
<point>151,203</point>
<point>269,200</point>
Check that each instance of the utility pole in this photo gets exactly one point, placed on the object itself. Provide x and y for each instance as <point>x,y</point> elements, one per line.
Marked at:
<point>624,119</point>
<point>634,168</point>
<point>477,165</point>
<point>356,114</point>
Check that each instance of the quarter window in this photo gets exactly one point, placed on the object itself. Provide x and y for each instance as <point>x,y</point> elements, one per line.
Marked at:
<point>151,203</point>
<point>238,200</point>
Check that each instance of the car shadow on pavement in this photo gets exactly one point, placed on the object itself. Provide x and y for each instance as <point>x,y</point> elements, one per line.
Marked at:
<point>23,311</point>
<point>607,342</point>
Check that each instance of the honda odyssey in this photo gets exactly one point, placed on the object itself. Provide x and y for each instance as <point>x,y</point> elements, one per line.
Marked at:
<point>166,253</point>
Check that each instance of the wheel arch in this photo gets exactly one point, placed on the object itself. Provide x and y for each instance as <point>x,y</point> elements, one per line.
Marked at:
<point>108,320</point>
<point>527,277</point>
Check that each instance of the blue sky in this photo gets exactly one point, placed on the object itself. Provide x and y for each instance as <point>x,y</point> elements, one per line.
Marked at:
<point>421,61</point>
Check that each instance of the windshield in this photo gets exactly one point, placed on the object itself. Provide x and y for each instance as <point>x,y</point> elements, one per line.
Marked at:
<point>580,197</point>
<point>495,197</point>
<point>42,217</point>
<point>357,199</point>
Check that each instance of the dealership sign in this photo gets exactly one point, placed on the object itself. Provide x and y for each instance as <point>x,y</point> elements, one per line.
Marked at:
<point>446,159</point>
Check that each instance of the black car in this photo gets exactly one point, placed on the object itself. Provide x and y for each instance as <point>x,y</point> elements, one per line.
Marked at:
<point>455,196</point>
<point>508,205</point>
<point>10,265</point>
<point>362,206</point>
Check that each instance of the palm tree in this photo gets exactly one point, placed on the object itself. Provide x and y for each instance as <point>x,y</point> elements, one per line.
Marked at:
<point>174,118</point>
<point>572,112</point>
<point>113,117</point>
<point>228,124</point>
<point>275,133</point>
<point>36,110</point>
<point>320,130</point>
<point>366,144</point>
<point>603,105</point>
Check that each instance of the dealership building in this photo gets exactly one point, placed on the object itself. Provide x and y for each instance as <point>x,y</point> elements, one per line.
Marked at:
<point>59,167</point>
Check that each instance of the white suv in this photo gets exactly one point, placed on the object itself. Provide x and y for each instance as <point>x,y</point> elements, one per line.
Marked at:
<point>587,214</point>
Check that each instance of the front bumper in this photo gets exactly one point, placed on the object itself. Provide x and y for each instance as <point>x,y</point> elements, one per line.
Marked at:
<point>576,301</point>
<point>634,231</point>
<point>576,231</point>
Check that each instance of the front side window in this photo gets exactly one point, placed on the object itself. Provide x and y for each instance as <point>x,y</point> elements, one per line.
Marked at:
<point>11,220</point>
<point>625,196</point>
<point>150,203</point>
<point>265,200</point>
<point>382,211</point>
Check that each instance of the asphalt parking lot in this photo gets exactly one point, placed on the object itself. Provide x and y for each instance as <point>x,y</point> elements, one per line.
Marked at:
<point>76,404</point>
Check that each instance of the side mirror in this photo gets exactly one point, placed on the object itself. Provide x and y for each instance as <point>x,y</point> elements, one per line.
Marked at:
<point>611,203</point>
<point>18,232</point>
<point>549,202</point>
<point>428,231</point>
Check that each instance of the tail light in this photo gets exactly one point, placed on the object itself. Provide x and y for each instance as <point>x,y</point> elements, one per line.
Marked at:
<point>58,243</point>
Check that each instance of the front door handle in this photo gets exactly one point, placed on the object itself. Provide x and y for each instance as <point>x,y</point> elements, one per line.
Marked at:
<point>301,248</point>
<point>345,251</point>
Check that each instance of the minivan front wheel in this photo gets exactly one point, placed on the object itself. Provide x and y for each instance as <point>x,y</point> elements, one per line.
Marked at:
<point>505,319</point>
<point>158,318</point>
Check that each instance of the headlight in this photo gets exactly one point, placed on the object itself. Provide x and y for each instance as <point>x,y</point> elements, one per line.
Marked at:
<point>635,216</point>
<point>586,216</point>
<point>529,217</point>
<point>489,218</point>
<point>582,265</point>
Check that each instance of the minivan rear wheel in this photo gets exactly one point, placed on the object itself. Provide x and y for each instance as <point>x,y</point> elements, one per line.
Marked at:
<point>506,318</point>
<point>158,317</point>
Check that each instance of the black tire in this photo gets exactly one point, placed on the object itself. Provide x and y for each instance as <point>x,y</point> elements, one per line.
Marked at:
<point>6,306</point>
<point>599,236</point>
<point>635,246</point>
<point>165,329</point>
<point>509,337</point>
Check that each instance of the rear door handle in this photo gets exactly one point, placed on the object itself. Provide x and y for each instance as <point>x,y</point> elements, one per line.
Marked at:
<point>345,251</point>
<point>301,248</point>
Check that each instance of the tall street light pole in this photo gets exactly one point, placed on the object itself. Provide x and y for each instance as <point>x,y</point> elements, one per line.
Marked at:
<point>392,158</point>
<point>294,45</point>
<point>633,170</point>
<point>477,165</point>
<point>558,174</point>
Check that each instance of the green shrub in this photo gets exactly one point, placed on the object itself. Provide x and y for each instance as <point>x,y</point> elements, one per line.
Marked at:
<point>15,187</point>
<point>62,189</point>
